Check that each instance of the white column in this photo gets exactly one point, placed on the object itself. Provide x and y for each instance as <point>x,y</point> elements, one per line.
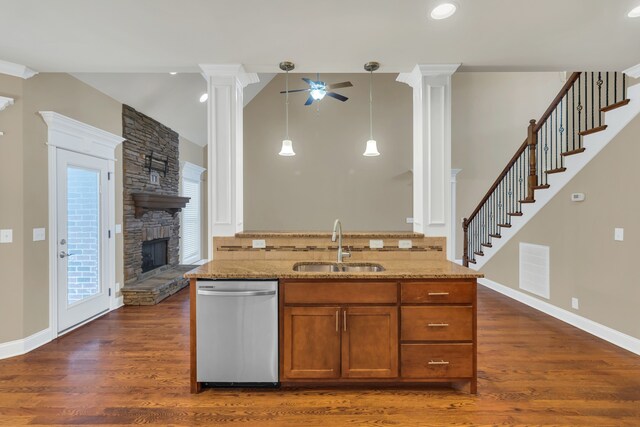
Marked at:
<point>451,247</point>
<point>225,85</point>
<point>431,148</point>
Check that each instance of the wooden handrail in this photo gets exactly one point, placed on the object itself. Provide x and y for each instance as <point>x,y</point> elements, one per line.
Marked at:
<point>567,86</point>
<point>554,104</point>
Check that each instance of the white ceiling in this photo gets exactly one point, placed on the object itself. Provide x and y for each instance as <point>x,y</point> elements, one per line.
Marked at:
<point>325,36</point>
<point>171,100</point>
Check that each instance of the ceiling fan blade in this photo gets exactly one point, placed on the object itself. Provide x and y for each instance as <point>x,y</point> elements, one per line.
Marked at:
<point>337,96</point>
<point>309,100</point>
<point>339,85</point>
<point>309,81</point>
<point>295,90</point>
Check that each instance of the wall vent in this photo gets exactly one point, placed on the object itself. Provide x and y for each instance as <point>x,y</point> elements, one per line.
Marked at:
<point>534,269</point>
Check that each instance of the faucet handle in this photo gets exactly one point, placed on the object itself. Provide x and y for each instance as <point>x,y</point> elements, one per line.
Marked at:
<point>347,254</point>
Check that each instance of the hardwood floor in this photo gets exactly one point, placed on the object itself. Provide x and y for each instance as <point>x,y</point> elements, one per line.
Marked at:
<point>132,367</point>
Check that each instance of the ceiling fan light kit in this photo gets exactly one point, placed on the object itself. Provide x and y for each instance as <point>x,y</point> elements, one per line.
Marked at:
<point>371,149</point>
<point>287,144</point>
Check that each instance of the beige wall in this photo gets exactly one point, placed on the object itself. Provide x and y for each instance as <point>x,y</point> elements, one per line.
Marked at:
<point>490,115</point>
<point>329,178</point>
<point>586,262</point>
<point>193,153</point>
<point>11,211</point>
<point>68,96</point>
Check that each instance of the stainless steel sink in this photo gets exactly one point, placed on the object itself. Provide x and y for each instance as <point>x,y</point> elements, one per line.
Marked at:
<point>328,267</point>
<point>362,268</point>
<point>317,267</point>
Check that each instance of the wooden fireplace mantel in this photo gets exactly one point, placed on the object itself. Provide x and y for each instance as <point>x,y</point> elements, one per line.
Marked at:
<point>145,202</point>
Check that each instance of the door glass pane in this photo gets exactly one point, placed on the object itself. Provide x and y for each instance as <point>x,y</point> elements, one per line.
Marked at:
<point>83,239</point>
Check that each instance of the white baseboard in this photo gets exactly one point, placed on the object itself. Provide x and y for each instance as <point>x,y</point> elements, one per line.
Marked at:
<point>25,345</point>
<point>604,332</point>
<point>119,302</point>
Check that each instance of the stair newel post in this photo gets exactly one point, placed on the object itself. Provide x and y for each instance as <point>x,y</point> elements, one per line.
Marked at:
<point>465,250</point>
<point>532,142</point>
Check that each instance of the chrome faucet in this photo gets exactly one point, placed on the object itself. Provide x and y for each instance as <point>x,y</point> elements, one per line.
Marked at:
<point>337,226</point>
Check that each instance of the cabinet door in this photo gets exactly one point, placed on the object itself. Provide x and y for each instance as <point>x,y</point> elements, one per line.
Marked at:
<point>311,342</point>
<point>370,342</point>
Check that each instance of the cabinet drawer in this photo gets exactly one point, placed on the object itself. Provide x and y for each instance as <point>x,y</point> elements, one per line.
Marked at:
<point>436,360</point>
<point>437,323</point>
<point>454,292</point>
<point>340,293</point>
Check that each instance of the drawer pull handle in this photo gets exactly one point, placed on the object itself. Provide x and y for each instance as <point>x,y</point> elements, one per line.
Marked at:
<point>438,325</point>
<point>438,294</point>
<point>438,362</point>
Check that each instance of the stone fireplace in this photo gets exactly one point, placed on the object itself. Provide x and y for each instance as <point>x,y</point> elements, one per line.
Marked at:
<point>151,235</point>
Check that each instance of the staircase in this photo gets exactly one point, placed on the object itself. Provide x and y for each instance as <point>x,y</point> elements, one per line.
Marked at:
<point>588,112</point>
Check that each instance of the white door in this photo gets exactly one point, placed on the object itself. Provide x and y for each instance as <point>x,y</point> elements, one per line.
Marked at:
<point>82,256</point>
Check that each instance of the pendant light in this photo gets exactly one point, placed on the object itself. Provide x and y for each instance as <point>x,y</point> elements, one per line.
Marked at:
<point>372,147</point>
<point>287,144</point>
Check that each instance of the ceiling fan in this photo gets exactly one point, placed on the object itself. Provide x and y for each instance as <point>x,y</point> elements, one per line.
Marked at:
<point>318,89</point>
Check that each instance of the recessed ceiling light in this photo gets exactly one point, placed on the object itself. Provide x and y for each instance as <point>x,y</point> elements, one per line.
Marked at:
<point>173,73</point>
<point>443,11</point>
<point>204,97</point>
<point>635,12</point>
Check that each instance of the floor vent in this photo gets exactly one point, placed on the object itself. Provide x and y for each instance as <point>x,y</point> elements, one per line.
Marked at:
<point>534,269</point>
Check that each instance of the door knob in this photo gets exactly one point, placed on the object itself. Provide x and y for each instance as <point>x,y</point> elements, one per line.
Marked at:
<point>63,254</point>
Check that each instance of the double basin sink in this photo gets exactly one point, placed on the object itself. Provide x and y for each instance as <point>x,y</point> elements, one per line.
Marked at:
<point>332,267</point>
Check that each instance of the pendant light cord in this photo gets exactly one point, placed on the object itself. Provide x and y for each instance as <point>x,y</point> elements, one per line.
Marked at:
<point>370,105</point>
<point>286,106</point>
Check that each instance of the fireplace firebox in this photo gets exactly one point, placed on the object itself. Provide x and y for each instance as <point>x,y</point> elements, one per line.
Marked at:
<point>154,254</point>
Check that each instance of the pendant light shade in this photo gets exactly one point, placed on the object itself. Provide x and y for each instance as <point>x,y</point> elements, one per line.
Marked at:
<point>287,148</point>
<point>287,144</point>
<point>372,146</point>
<point>372,149</point>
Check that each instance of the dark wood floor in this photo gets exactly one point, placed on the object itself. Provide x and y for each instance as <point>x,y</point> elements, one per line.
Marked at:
<point>132,367</point>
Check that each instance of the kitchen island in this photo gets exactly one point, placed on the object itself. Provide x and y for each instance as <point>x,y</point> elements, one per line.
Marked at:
<point>412,323</point>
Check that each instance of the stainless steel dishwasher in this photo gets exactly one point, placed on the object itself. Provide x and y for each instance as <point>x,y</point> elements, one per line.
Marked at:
<point>237,332</point>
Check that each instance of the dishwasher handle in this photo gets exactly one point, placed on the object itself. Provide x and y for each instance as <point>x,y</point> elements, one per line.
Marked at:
<point>235,293</point>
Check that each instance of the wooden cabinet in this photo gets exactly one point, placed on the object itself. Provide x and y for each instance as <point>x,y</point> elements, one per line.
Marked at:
<point>370,342</point>
<point>312,342</point>
<point>414,331</point>
<point>340,342</point>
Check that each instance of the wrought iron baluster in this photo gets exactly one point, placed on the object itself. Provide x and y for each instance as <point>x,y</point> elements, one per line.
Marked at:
<point>615,87</point>
<point>599,83</point>
<point>593,102</point>
<point>624,86</point>
<point>607,87</point>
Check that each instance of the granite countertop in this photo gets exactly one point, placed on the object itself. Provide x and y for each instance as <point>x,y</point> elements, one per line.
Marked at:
<point>353,234</point>
<point>272,269</point>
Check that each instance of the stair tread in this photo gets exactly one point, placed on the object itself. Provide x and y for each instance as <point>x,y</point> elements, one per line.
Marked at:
<point>592,130</point>
<point>479,253</point>
<point>488,245</point>
<point>572,152</point>
<point>527,201</point>
<point>557,170</point>
<point>504,225</point>
<point>541,187</point>
<point>514,213</point>
<point>614,106</point>
<point>495,236</point>
<point>472,261</point>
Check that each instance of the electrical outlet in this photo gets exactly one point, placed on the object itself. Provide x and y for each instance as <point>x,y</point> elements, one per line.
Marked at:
<point>575,304</point>
<point>376,244</point>
<point>39,234</point>
<point>409,220</point>
<point>118,228</point>
<point>618,234</point>
<point>117,287</point>
<point>259,244</point>
<point>6,236</point>
<point>405,244</point>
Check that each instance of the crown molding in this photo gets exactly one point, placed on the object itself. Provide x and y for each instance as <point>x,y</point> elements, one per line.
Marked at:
<point>414,77</point>
<point>16,70</point>
<point>236,71</point>
<point>5,102</point>
<point>192,171</point>
<point>633,71</point>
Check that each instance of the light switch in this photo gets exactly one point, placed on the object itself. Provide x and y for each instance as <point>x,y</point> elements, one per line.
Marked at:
<point>409,220</point>
<point>118,228</point>
<point>376,244</point>
<point>259,244</point>
<point>39,234</point>
<point>575,304</point>
<point>6,236</point>
<point>405,244</point>
<point>619,234</point>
